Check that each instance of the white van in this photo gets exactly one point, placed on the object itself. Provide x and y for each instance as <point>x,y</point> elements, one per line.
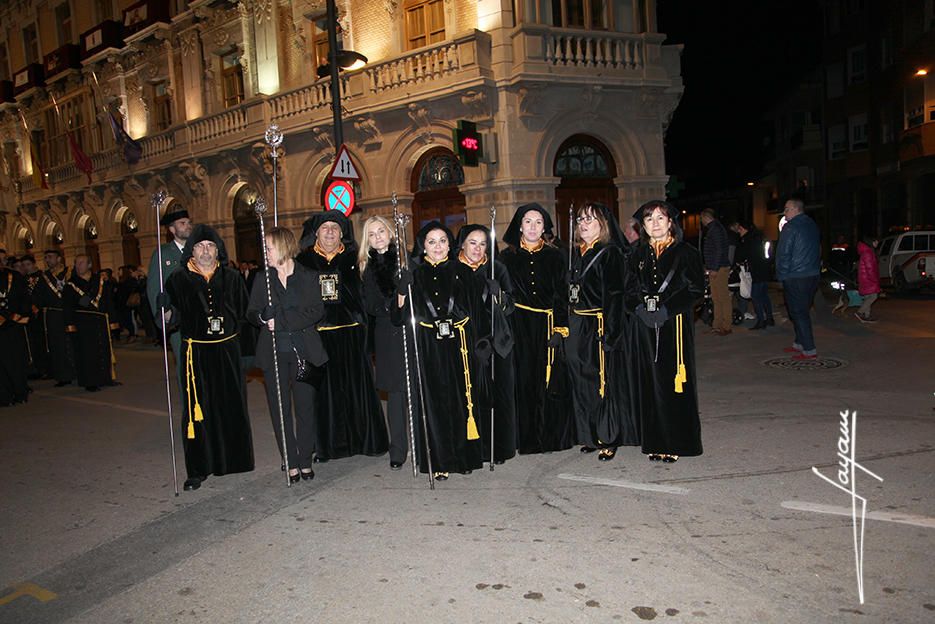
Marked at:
<point>907,260</point>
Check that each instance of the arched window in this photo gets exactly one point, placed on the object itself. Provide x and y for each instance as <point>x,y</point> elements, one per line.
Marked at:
<point>440,171</point>
<point>580,160</point>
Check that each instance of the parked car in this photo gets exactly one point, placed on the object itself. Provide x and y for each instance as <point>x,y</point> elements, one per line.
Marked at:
<point>907,260</point>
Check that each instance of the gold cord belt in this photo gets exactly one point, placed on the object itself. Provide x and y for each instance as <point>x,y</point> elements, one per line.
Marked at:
<point>550,329</point>
<point>680,375</point>
<point>472,433</point>
<point>599,313</point>
<point>191,389</point>
<point>331,327</point>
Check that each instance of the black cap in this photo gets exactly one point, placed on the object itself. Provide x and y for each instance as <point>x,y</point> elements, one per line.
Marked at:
<point>646,209</point>
<point>171,217</point>
<point>311,225</point>
<point>418,246</point>
<point>514,233</point>
<point>203,232</point>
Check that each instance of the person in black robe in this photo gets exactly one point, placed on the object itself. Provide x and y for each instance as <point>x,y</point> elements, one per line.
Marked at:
<point>349,416</point>
<point>88,308</point>
<point>15,310</point>
<point>378,262</point>
<point>295,310</point>
<point>445,336</point>
<point>207,304</point>
<point>668,280</point>
<point>598,347</point>
<point>38,358</point>
<point>493,388</point>
<point>48,299</point>
<point>537,270</point>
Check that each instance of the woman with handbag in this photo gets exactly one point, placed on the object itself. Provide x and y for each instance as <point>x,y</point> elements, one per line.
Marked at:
<point>599,338</point>
<point>668,278</point>
<point>297,308</point>
<point>753,253</point>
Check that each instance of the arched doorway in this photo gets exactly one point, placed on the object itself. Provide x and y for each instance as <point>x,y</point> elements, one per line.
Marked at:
<point>587,171</point>
<point>435,181</point>
<point>246,227</point>
<point>131,246</point>
<point>90,245</point>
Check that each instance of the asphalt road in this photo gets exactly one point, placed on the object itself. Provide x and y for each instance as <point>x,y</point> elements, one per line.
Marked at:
<point>90,531</point>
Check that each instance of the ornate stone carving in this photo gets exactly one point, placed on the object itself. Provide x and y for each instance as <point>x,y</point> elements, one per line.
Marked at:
<point>188,41</point>
<point>323,138</point>
<point>421,121</point>
<point>391,7</point>
<point>366,127</point>
<point>196,176</point>
<point>531,101</point>
<point>592,97</point>
<point>263,11</point>
<point>476,103</point>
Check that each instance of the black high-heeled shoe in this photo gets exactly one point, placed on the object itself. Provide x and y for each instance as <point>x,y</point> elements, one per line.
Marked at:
<point>607,454</point>
<point>587,449</point>
<point>307,476</point>
<point>294,478</point>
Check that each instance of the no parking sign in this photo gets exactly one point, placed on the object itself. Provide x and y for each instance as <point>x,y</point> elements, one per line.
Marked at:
<point>340,196</point>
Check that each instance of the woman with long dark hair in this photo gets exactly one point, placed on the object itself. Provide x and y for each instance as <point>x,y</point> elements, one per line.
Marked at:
<point>668,279</point>
<point>598,342</point>
<point>537,270</point>
<point>445,336</point>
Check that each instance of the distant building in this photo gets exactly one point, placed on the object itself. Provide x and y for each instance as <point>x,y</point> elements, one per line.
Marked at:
<point>571,98</point>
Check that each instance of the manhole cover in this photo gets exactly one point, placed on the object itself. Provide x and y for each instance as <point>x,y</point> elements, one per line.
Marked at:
<point>821,363</point>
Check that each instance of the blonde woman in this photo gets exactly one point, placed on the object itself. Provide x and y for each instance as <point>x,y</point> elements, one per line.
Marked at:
<point>377,260</point>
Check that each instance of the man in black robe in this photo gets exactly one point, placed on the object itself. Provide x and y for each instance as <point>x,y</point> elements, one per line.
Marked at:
<point>38,366</point>
<point>48,298</point>
<point>350,420</point>
<point>207,304</point>
<point>15,309</point>
<point>88,309</point>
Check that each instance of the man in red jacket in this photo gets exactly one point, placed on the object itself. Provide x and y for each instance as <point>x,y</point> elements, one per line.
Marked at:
<point>868,277</point>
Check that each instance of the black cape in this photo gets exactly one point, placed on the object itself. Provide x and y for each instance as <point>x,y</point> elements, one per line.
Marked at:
<point>58,347</point>
<point>349,416</point>
<point>221,443</point>
<point>39,361</point>
<point>89,318</point>
<point>15,310</point>
<point>545,420</point>
<point>669,418</point>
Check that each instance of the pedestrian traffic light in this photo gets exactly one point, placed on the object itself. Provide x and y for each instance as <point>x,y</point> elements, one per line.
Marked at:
<point>467,143</point>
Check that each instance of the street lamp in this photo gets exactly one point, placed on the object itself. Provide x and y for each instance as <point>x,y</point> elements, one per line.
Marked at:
<point>337,60</point>
<point>922,72</point>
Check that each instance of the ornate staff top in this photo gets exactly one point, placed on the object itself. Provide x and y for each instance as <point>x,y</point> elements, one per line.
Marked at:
<point>259,206</point>
<point>159,197</point>
<point>274,139</point>
<point>400,218</point>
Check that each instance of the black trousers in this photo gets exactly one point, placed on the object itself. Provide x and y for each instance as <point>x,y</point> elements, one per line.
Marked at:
<point>398,418</point>
<point>300,430</point>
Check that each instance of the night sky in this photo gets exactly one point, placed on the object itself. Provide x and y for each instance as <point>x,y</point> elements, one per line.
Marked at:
<point>739,57</point>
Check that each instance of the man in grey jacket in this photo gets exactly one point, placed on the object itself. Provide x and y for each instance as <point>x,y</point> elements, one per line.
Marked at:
<point>798,266</point>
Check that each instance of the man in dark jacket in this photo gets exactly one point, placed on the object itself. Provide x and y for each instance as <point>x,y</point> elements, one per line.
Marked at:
<point>798,266</point>
<point>717,266</point>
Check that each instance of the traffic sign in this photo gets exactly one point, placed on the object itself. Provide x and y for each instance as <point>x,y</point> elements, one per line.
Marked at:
<point>340,196</point>
<point>343,167</point>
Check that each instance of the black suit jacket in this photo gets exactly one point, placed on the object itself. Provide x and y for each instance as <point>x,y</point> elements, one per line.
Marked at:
<point>298,308</point>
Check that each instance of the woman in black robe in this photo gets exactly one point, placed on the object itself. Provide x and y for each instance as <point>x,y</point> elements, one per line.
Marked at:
<point>598,347</point>
<point>15,310</point>
<point>537,271</point>
<point>445,335</point>
<point>668,280</point>
<point>378,260</point>
<point>491,391</point>
<point>208,303</point>
<point>349,417</point>
<point>90,319</point>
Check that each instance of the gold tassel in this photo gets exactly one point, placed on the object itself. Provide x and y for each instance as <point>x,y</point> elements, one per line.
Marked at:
<point>199,415</point>
<point>680,377</point>
<point>191,430</point>
<point>472,433</point>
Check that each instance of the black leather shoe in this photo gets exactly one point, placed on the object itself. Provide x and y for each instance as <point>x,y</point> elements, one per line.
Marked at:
<point>93,388</point>
<point>655,457</point>
<point>466,472</point>
<point>499,462</point>
<point>588,449</point>
<point>61,384</point>
<point>320,460</point>
<point>192,483</point>
<point>396,465</point>
<point>307,476</point>
<point>607,454</point>
<point>294,478</point>
<point>441,476</point>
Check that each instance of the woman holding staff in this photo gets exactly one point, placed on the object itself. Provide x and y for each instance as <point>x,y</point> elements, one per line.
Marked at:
<point>668,280</point>
<point>293,315</point>
<point>537,273</point>
<point>445,334</point>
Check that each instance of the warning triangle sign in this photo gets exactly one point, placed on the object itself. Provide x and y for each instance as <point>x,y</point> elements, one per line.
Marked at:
<point>343,168</point>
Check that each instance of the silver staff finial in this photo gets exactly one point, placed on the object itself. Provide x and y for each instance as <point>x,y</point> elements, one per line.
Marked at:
<point>259,206</point>
<point>159,198</point>
<point>274,139</point>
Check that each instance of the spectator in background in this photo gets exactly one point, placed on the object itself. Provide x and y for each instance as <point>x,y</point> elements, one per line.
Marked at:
<point>868,277</point>
<point>717,267</point>
<point>798,266</point>
<point>752,251</point>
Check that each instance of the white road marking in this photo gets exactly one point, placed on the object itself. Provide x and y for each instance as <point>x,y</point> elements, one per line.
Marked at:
<point>885,516</point>
<point>116,406</point>
<point>649,487</point>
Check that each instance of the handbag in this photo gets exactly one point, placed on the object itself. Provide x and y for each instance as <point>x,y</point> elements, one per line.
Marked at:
<point>746,283</point>
<point>306,372</point>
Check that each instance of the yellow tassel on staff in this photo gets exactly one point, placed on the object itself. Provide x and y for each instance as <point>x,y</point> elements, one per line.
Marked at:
<point>472,433</point>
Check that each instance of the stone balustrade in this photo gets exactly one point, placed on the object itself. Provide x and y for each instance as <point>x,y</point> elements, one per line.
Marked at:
<point>218,125</point>
<point>417,67</point>
<point>587,49</point>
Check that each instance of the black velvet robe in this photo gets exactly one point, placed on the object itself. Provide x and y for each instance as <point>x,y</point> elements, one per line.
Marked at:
<point>58,346</point>
<point>39,361</point>
<point>603,418</point>
<point>669,419</point>
<point>88,307</point>
<point>349,416</point>
<point>15,309</point>
<point>446,381</point>
<point>497,391</point>
<point>379,289</point>
<point>222,442</point>
<point>545,419</point>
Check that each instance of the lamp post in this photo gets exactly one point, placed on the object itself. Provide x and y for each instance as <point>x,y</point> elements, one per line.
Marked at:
<point>337,60</point>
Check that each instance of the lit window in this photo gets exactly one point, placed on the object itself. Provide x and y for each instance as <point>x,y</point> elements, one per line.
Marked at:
<point>425,23</point>
<point>63,23</point>
<point>232,80</point>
